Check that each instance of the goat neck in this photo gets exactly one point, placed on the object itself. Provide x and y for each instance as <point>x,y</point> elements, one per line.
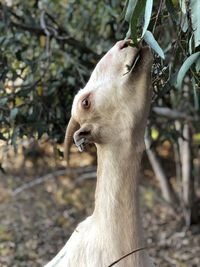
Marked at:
<point>116,199</point>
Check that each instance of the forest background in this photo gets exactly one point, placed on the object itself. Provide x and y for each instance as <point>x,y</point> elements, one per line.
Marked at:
<point>48,49</point>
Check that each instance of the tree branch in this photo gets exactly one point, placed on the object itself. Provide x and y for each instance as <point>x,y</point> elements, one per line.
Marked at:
<point>172,113</point>
<point>166,188</point>
<point>66,39</point>
<point>84,171</point>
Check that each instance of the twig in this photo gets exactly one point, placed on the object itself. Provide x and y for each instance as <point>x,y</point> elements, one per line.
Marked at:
<point>86,176</point>
<point>157,15</point>
<point>43,24</point>
<point>170,260</point>
<point>47,32</point>
<point>171,113</point>
<point>65,39</point>
<point>123,257</point>
<point>52,175</point>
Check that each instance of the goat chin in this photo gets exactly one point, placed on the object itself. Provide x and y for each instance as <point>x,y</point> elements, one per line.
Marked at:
<point>112,112</point>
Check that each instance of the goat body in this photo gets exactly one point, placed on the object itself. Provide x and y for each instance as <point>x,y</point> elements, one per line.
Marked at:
<point>111,111</point>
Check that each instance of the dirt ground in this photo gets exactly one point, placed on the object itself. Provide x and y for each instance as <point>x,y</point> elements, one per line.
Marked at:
<point>41,202</point>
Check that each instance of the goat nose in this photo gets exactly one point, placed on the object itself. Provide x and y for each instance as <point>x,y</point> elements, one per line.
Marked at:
<point>81,138</point>
<point>81,133</point>
<point>123,44</point>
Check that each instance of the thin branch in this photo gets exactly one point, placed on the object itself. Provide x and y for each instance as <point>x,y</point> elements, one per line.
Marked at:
<point>65,39</point>
<point>43,24</point>
<point>32,29</point>
<point>52,175</point>
<point>157,15</point>
<point>123,257</point>
<point>172,113</point>
<point>86,176</point>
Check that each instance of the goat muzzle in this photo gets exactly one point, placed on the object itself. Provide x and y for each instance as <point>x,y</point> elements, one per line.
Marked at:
<point>81,138</point>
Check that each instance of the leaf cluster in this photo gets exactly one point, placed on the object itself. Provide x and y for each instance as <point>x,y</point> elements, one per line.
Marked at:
<point>48,49</point>
<point>174,26</point>
<point>47,52</point>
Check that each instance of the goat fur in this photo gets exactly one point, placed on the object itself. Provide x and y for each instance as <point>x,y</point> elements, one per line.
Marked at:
<point>114,118</point>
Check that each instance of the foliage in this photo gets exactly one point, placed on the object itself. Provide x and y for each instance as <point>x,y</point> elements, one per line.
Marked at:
<point>176,26</point>
<point>47,51</point>
<point>176,83</point>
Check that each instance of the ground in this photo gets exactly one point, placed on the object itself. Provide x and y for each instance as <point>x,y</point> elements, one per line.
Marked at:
<point>41,202</point>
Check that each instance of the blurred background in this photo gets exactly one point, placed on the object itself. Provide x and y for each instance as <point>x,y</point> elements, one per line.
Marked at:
<point>48,49</point>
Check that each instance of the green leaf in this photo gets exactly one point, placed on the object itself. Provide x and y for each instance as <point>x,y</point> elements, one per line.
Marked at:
<point>130,8</point>
<point>198,65</point>
<point>196,98</point>
<point>183,6</point>
<point>135,18</point>
<point>124,11</point>
<point>13,113</point>
<point>195,17</point>
<point>128,34</point>
<point>149,39</point>
<point>2,39</point>
<point>147,15</point>
<point>3,101</point>
<point>183,18</point>
<point>185,67</point>
<point>14,137</point>
<point>2,137</point>
<point>184,22</point>
<point>190,44</point>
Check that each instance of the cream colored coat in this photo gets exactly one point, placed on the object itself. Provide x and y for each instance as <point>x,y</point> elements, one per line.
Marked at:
<point>111,111</point>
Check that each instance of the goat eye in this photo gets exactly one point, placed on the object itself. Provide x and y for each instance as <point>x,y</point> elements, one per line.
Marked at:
<point>85,103</point>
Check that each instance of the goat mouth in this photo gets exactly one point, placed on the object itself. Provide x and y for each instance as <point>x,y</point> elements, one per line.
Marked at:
<point>134,62</point>
<point>81,144</point>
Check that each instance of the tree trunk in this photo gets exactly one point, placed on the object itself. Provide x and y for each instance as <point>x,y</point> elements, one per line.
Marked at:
<point>166,188</point>
<point>187,174</point>
<point>185,146</point>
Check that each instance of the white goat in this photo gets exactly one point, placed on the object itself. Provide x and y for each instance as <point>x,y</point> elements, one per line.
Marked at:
<point>111,111</point>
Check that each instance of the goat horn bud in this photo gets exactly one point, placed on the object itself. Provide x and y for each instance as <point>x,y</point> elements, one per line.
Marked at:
<point>72,127</point>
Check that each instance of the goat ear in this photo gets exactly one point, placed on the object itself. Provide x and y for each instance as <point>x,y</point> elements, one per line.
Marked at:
<point>72,127</point>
